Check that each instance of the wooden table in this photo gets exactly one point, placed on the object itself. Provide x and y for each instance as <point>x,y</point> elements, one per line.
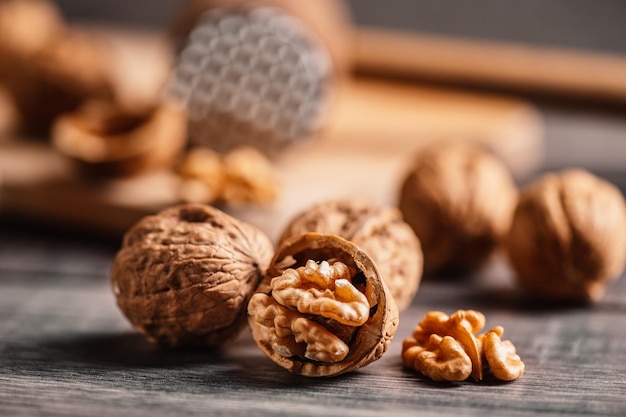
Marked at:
<point>65,349</point>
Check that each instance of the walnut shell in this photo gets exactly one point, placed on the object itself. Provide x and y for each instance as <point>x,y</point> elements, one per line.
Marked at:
<point>379,231</point>
<point>366,343</point>
<point>184,276</point>
<point>568,237</point>
<point>58,77</point>
<point>107,140</point>
<point>26,26</point>
<point>459,199</point>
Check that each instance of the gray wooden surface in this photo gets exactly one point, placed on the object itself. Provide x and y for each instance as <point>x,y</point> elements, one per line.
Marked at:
<point>66,350</point>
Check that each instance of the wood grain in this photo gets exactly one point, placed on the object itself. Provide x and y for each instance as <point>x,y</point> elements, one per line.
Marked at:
<point>66,350</point>
<point>561,72</point>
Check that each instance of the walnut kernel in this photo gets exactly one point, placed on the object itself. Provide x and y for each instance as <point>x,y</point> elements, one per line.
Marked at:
<point>459,199</point>
<point>322,309</point>
<point>445,348</point>
<point>379,231</point>
<point>568,237</point>
<point>184,276</point>
<point>240,176</point>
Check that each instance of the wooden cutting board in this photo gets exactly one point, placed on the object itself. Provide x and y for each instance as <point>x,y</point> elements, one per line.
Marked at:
<point>363,152</point>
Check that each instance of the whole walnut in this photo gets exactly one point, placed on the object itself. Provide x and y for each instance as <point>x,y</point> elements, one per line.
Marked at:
<point>459,198</point>
<point>184,276</point>
<point>379,231</point>
<point>568,237</point>
<point>60,77</point>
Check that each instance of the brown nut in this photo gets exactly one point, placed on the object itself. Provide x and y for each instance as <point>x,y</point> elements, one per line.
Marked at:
<point>322,309</point>
<point>459,199</point>
<point>58,77</point>
<point>184,276</point>
<point>444,348</point>
<point>440,358</point>
<point>379,231</point>
<point>568,237</point>
<point>26,26</point>
<point>504,363</point>
<point>243,175</point>
<point>107,140</point>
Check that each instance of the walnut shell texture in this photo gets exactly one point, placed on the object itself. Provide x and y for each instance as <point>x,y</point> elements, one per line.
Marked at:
<point>379,231</point>
<point>184,276</point>
<point>459,198</point>
<point>568,237</point>
<point>366,343</point>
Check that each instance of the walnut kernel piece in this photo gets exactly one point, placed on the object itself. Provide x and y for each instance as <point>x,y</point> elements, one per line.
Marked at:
<point>184,276</point>
<point>107,140</point>
<point>242,175</point>
<point>379,231</point>
<point>568,237</point>
<point>445,348</point>
<point>459,199</point>
<point>322,309</point>
<point>440,358</point>
<point>504,362</point>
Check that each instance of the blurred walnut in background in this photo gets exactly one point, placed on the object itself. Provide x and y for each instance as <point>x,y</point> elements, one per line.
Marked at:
<point>568,238</point>
<point>48,67</point>
<point>459,199</point>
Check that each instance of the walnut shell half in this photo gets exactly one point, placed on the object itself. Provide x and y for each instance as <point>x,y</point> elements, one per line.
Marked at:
<point>322,309</point>
<point>568,237</point>
<point>107,140</point>
<point>184,276</point>
<point>379,231</point>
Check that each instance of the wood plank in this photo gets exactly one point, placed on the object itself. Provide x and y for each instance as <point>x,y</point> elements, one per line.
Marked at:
<point>66,350</point>
<point>561,72</point>
<point>372,133</point>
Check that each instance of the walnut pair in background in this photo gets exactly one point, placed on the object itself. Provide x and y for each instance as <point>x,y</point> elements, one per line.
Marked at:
<point>564,234</point>
<point>319,305</point>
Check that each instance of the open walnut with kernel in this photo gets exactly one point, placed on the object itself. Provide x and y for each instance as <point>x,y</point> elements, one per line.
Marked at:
<point>445,348</point>
<point>322,309</point>
<point>378,230</point>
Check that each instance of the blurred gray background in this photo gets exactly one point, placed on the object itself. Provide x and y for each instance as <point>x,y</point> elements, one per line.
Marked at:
<point>582,134</point>
<point>588,24</point>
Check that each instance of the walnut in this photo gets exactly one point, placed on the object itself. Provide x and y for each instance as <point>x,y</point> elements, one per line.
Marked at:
<point>26,26</point>
<point>504,363</point>
<point>107,140</point>
<point>379,231</point>
<point>444,348</point>
<point>58,76</point>
<point>184,276</point>
<point>322,309</point>
<point>568,237</point>
<point>240,176</point>
<point>459,199</point>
